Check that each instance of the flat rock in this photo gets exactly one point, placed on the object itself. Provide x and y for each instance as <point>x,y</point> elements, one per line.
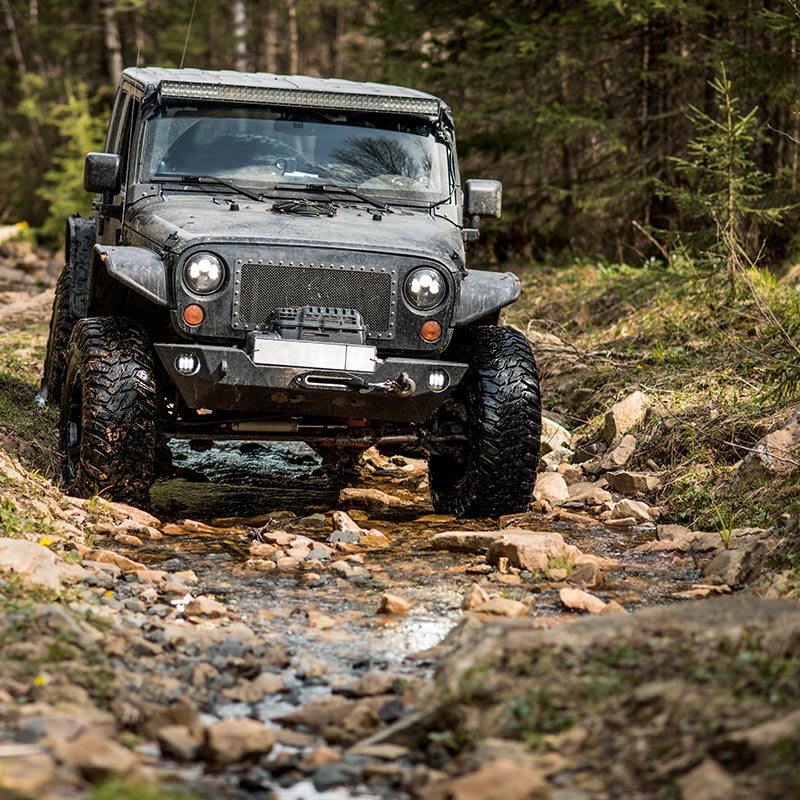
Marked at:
<point>465,541</point>
<point>551,487</point>
<point>124,563</point>
<point>625,415</point>
<point>372,500</point>
<point>205,606</point>
<point>633,509</point>
<point>36,564</point>
<point>587,493</point>
<point>122,511</point>
<point>633,484</point>
<point>736,565</point>
<point>233,740</point>
<point>502,607</point>
<point>502,779</point>
<point>531,550</point>
<point>578,600</point>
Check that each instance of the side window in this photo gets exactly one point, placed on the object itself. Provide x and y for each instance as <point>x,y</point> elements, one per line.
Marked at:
<point>116,116</point>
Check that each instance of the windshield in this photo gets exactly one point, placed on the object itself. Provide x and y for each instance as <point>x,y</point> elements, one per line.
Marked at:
<point>387,155</point>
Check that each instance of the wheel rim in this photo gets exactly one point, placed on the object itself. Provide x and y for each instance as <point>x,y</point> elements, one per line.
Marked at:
<point>74,431</point>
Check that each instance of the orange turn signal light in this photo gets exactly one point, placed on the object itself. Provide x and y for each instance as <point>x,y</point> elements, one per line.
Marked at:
<point>193,314</point>
<point>430,330</point>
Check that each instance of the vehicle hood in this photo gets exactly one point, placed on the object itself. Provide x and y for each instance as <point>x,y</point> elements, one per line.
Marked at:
<point>177,223</point>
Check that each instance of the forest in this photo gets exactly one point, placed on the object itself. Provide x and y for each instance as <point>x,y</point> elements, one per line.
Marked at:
<point>623,129</point>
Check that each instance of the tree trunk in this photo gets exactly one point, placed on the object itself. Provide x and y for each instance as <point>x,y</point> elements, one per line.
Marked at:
<point>271,38</point>
<point>112,42</point>
<point>294,49</point>
<point>240,34</point>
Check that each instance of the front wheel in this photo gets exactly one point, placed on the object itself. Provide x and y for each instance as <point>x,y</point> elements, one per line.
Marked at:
<point>497,408</point>
<point>108,410</point>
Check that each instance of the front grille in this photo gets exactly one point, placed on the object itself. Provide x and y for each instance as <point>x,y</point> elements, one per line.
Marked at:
<point>262,288</point>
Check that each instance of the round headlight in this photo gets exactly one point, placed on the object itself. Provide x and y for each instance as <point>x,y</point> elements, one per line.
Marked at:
<point>425,288</point>
<point>203,273</point>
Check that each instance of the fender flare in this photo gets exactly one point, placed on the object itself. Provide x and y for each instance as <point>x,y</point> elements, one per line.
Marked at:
<point>79,242</point>
<point>138,268</point>
<point>484,293</point>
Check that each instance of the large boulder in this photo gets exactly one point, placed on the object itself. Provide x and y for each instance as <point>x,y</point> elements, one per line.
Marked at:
<point>536,551</point>
<point>36,564</point>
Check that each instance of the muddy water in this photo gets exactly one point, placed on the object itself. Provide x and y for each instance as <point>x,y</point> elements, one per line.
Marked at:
<point>252,480</point>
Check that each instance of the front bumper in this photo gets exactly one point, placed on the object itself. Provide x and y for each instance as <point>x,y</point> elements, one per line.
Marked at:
<point>227,379</point>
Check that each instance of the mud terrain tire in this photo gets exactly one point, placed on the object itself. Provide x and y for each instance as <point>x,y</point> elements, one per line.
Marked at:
<point>108,410</point>
<point>499,406</point>
<point>62,322</point>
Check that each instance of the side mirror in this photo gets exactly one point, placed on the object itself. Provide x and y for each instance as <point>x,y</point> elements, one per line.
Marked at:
<point>483,199</point>
<point>102,173</point>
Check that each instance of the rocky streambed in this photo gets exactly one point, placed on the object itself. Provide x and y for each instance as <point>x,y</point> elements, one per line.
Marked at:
<point>288,649</point>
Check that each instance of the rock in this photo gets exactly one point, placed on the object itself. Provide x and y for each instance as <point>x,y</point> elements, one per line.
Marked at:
<point>587,574</point>
<point>502,779</point>
<point>320,756</point>
<point>587,493</point>
<point>671,532</point>
<point>36,564</point>
<point>761,740</point>
<point>571,473</point>
<point>633,484</point>
<point>279,538</point>
<point>553,436</point>
<point>254,691</point>
<point>737,565</point>
<point>777,454</point>
<point>234,740</point>
<point>578,600</point>
<point>531,550</point>
<point>553,460</point>
<point>95,755</point>
<point>624,415</point>
<point>204,606</point>
<point>177,741</point>
<point>708,781</point>
<point>124,563</point>
<point>24,769</point>
<point>372,500</point>
<point>465,541</point>
<point>344,523</point>
<point>634,509</point>
<point>552,487</point>
<point>613,607</point>
<point>474,596</point>
<point>311,668</point>
<point>619,455</point>
<point>502,607</point>
<point>263,549</point>
<point>121,511</point>
<point>394,604</point>
<point>128,538</point>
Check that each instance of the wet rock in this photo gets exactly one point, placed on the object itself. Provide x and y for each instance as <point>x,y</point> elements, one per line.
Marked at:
<point>552,487</point>
<point>578,600</point>
<point>344,537</point>
<point>205,606</point>
<point>24,769</point>
<point>372,500</point>
<point>95,755</point>
<point>586,494</point>
<point>502,779</point>
<point>531,550</point>
<point>553,435</point>
<point>707,781</point>
<point>36,564</point>
<point>633,484</point>
<point>633,509</point>
<point>393,604</point>
<point>178,742</point>
<point>234,740</point>
<point>313,522</point>
<point>129,539</point>
<point>502,607</point>
<point>465,541</point>
<point>124,563</point>
<point>625,415</point>
<point>474,596</point>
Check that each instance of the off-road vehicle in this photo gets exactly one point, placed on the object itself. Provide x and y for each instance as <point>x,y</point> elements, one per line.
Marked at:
<point>282,258</point>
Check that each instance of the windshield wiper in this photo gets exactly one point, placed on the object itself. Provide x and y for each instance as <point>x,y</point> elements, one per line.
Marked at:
<point>210,179</point>
<point>332,187</point>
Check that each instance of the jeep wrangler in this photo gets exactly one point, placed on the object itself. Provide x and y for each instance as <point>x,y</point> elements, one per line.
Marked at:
<point>282,258</point>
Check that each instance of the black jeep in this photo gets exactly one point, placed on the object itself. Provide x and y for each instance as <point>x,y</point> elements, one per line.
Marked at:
<point>282,258</point>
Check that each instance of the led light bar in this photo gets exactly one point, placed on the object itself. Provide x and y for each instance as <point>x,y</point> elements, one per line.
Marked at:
<point>340,101</point>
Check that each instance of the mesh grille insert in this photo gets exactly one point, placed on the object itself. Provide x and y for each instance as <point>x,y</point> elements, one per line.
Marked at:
<point>265,287</point>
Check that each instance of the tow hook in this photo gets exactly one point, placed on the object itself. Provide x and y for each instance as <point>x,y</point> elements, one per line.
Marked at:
<point>403,386</point>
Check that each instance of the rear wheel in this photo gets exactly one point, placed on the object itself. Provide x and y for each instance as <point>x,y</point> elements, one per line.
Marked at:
<point>497,409</point>
<point>108,410</point>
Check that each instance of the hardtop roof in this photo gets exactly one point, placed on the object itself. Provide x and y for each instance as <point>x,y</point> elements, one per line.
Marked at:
<point>153,76</point>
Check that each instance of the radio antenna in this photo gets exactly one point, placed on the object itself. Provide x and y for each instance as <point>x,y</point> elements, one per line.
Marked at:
<point>188,33</point>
